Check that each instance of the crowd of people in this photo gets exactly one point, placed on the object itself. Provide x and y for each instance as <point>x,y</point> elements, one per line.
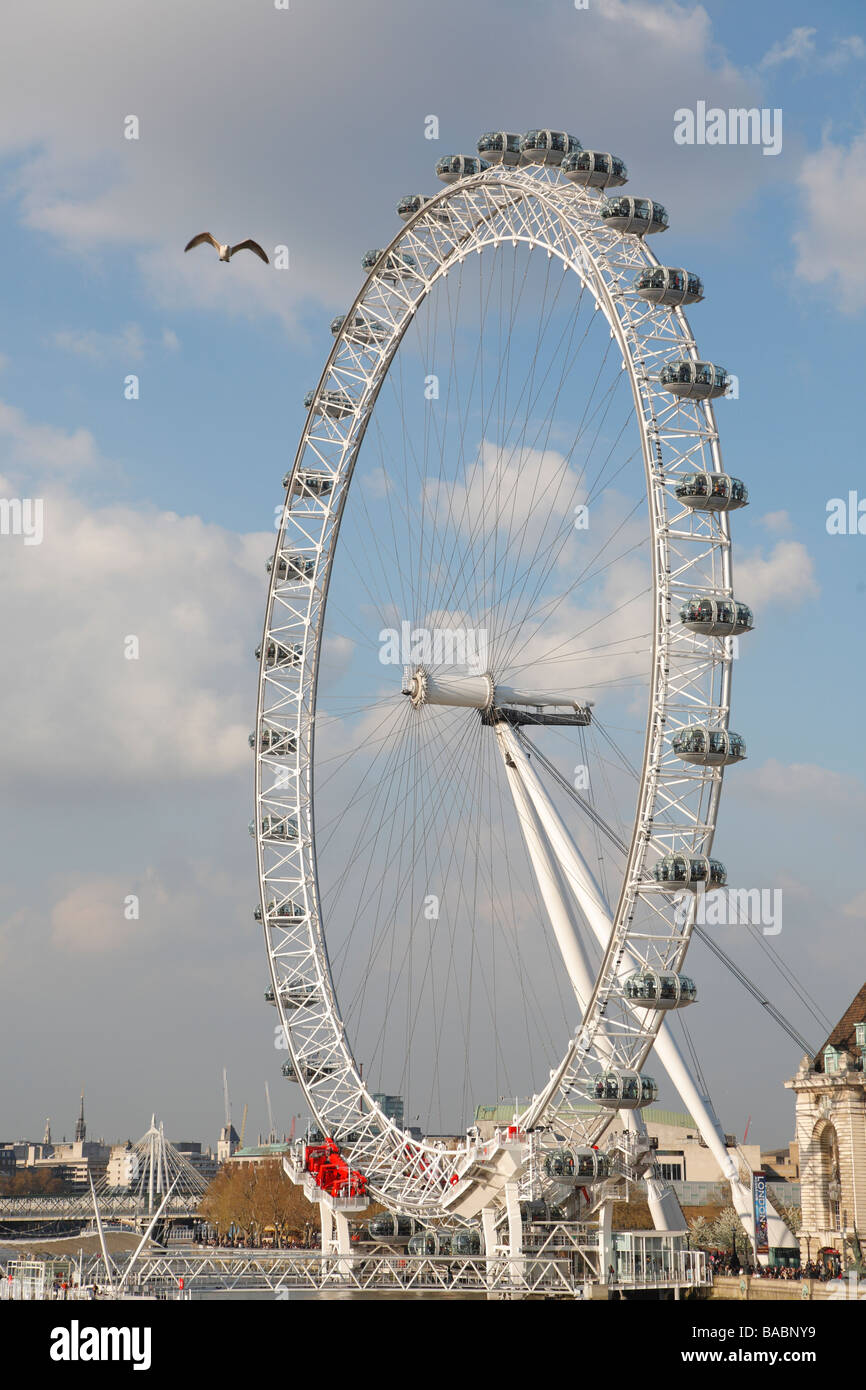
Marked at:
<point>251,1242</point>
<point>724,1262</point>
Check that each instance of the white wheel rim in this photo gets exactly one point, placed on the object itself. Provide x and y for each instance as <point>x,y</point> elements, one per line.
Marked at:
<point>677,803</point>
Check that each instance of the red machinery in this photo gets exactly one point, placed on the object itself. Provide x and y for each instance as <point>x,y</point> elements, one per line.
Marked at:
<point>332,1173</point>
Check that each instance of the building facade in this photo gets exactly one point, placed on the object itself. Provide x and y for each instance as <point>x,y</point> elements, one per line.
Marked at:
<point>680,1152</point>
<point>830,1091</point>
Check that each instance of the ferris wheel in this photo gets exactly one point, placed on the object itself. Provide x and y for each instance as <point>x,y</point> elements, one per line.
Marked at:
<point>494,686</point>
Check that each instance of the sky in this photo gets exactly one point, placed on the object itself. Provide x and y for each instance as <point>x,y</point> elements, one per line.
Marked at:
<point>303,127</point>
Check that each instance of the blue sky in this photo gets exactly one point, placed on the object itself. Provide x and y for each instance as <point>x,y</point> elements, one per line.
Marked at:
<point>304,128</point>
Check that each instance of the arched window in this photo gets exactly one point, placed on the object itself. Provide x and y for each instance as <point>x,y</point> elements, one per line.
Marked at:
<point>830,1191</point>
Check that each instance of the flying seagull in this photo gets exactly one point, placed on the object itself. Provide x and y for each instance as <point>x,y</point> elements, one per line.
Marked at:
<point>226,252</point>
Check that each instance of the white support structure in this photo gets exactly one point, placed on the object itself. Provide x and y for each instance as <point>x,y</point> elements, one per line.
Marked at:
<point>516,1261</point>
<point>599,918</point>
<point>549,875</point>
<point>665,1208</point>
<point>336,1236</point>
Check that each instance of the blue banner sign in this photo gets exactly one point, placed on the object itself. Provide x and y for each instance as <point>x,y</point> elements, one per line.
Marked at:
<point>759,1202</point>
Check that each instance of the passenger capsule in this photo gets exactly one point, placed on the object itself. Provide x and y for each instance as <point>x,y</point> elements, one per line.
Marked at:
<point>638,216</point>
<point>668,285</point>
<point>622,1090</point>
<point>278,912</point>
<point>466,1243</point>
<point>445,1243</point>
<point>659,989</point>
<point>279,742</point>
<point>313,1070</point>
<point>291,996</point>
<point>430,1243</point>
<point>276,828</point>
<point>412,203</point>
<point>559,1164</point>
<point>716,617</point>
<point>711,492</point>
<point>337,404</point>
<point>390,1228</point>
<point>297,996</point>
<point>586,1164</point>
<point>593,169</point>
<point>547,146</point>
<point>280,654</point>
<point>499,147</point>
<point>711,747</point>
<point>286,910</point>
<point>360,329</point>
<point>391,265</point>
<point>309,483</point>
<point>687,871</point>
<point>452,167</point>
<point>694,381</point>
<point>539,1211</point>
<point>292,569</point>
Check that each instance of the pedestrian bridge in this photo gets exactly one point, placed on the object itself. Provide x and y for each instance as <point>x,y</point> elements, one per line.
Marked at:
<point>123,1206</point>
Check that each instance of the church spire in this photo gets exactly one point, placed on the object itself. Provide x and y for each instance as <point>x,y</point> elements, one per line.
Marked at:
<point>81,1127</point>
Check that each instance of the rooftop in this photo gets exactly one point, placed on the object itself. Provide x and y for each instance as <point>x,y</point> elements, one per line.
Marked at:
<point>503,1114</point>
<point>842,1036</point>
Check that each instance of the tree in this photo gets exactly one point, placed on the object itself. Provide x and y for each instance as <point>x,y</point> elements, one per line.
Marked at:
<point>792,1216</point>
<point>248,1197</point>
<point>701,1233</point>
<point>31,1182</point>
<point>728,1234</point>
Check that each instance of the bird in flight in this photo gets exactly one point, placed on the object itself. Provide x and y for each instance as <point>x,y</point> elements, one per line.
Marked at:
<point>226,252</point>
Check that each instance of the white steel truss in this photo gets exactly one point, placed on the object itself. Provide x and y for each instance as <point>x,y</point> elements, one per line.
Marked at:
<point>690,674</point>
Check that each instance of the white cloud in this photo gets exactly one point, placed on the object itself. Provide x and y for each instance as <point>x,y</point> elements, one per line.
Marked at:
<point>829,252</point>
<point>799,44</point>
<point>191,593</point>
<point>127,344</point>
<point>265,147</point>
<point>538,489</point>
<point>806,786</point>
<point>844,51</point>
<point>777,523</point>
<point>91,916</point>
<point>44,448</point>
<point>856,907</point>
<point>786,575</point>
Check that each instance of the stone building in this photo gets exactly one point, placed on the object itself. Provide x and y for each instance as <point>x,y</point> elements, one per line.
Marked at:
<point>830,1090</point>
<point>681,1153</point>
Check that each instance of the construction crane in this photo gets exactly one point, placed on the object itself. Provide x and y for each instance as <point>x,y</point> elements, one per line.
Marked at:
<point>272,1134</point>
<point>226,1099</point>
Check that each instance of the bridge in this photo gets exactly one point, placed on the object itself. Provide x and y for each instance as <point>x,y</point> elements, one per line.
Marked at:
<point>155,1168</point>
<point>555,1269</point>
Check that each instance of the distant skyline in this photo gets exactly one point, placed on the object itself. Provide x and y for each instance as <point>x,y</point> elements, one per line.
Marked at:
<point>131,779</point>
